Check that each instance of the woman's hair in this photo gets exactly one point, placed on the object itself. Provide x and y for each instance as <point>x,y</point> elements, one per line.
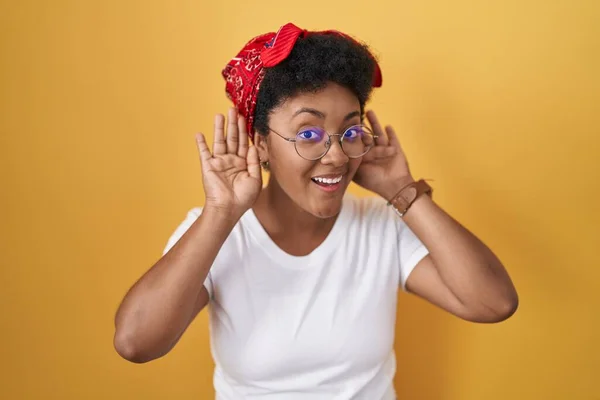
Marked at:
<point>315,61</point>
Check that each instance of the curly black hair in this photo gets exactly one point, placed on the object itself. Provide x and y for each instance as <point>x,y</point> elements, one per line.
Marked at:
<point>315,61</point>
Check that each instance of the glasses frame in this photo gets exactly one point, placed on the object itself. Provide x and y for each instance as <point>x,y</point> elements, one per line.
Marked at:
<point>328,142</point>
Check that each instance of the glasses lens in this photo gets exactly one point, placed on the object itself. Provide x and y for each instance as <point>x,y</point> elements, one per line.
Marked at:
<point>357,140</point>
<point>311,143</point>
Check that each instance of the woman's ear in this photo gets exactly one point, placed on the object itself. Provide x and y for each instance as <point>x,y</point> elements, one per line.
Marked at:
<point>260,142</point>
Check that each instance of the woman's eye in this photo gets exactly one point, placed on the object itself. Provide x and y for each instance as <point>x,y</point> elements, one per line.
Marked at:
<point>353,133</point>
<point>310,134</point>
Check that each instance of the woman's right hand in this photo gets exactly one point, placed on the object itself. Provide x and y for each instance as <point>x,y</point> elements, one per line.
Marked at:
<point>231,174</point>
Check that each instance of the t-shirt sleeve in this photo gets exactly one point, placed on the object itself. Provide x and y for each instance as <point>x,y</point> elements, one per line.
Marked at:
<point>181,229</point>
<point>411,250</point>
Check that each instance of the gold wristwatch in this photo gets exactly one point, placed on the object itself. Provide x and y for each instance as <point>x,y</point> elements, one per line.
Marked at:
<point>408,194</point>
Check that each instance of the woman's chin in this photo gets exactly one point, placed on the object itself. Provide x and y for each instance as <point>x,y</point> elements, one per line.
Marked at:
<point>328,209</point>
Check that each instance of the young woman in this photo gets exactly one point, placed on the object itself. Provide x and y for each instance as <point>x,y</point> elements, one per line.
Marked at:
<point>301,279</point>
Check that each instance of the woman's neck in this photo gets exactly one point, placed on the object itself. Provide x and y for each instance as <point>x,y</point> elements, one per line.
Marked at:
<point>293,229</point>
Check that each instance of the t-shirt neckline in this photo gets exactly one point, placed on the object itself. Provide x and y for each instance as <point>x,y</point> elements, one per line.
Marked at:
<point>268,246</point>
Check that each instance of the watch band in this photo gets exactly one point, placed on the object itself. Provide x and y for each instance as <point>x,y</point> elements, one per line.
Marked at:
<point>408,194</point>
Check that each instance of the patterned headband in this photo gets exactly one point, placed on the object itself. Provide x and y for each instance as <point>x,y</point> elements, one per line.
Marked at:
<point>245,72</point>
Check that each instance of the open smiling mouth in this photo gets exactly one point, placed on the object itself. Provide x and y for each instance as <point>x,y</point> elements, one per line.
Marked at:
<point>328,183</point>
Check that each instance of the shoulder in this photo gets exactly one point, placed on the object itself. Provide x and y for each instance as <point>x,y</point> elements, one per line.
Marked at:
<point>182,226</point>
<point>373,214</point>
<point>194,213</point>
<point>370,208</point>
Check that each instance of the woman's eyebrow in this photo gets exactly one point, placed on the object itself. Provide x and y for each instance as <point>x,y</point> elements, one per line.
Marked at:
<point>322,115</point>
<point>309,110</point>
<point>352,115</point>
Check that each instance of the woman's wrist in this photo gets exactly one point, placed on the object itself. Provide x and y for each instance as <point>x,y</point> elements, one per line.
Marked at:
<point>392,188</point>
<point>221,217</point>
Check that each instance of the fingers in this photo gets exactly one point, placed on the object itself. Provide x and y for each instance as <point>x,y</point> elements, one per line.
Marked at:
<point>232,131</point>
<point>380,152</point>
<point>219,146</point>
<point>253,163</point>
<point>382,139</point>
<point>203,150</point>
<point>392,137</point>
<point>243,138</point>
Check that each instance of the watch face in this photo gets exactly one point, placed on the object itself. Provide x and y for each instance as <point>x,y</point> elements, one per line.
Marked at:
<point>409,195</point>
<point>405,199</point>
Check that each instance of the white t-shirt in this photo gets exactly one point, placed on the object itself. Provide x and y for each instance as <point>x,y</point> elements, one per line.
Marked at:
<point>319,326</point>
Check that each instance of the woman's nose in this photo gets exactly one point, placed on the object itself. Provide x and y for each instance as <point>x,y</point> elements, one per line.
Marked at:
<point>335,155</point>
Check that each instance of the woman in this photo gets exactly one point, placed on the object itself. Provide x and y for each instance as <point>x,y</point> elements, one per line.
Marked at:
<point>302,278</point>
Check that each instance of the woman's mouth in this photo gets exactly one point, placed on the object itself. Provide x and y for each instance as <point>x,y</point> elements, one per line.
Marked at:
<point>328,183</point>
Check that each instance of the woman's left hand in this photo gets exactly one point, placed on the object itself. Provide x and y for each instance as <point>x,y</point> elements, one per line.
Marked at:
<point>384,169</point>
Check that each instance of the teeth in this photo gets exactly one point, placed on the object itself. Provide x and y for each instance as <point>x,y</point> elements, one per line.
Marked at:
<point>328,181</point>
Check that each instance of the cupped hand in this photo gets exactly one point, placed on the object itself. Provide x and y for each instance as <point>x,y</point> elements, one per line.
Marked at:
<point>231,173</point>
<point>384,169</point>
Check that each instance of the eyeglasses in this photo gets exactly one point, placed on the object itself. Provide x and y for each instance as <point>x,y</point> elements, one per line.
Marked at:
<point>313,143</point>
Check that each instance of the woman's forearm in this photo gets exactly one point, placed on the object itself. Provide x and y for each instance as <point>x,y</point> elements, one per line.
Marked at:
<point>468,268</point>
<point>160,306</point>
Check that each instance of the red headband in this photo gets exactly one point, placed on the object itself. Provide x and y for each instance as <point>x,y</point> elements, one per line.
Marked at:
<point>245,72</point>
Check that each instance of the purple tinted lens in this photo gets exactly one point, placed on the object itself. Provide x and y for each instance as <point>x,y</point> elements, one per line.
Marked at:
<point>311,134</point>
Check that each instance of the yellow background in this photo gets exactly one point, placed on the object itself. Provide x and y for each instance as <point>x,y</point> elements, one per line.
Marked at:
<point>495,100</point>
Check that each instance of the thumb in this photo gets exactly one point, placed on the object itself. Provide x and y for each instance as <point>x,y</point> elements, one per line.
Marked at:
<point>203,150</point>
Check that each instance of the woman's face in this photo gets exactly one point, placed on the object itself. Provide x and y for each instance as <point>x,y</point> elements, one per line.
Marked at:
<point>312,184</point>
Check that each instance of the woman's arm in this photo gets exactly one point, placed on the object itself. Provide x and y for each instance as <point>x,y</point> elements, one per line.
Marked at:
<point>161,305</point>
<point>460,274</point>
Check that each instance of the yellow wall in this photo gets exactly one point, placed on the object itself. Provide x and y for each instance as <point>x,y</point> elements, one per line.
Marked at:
<point>496,101</point>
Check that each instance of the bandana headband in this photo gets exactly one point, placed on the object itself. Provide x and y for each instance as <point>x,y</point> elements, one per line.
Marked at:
<point>245,72</point>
